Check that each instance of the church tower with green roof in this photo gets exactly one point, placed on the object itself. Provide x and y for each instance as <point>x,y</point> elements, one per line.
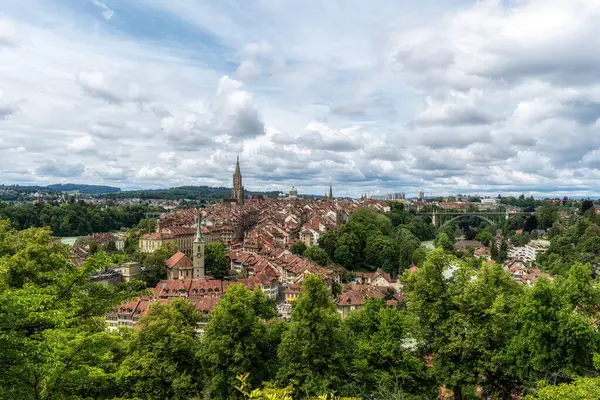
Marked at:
<point>198,250</point>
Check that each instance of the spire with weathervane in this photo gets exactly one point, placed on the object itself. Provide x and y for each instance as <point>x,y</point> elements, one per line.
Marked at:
<point>198,249</point>
<point>237,192</point>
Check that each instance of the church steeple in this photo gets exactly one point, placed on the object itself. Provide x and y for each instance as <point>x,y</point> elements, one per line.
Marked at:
<point>199,237</point>
<point>330,191</point>
<point>198,250</point>
<point>237,192</point>
<point>237,166</point>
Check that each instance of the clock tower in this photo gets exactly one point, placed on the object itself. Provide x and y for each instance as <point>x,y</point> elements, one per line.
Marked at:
<point>198,250</point>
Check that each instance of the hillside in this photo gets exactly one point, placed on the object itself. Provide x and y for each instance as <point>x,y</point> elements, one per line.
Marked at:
<point>83,189</point>
<point>184,192</point>
<point>66,187</point>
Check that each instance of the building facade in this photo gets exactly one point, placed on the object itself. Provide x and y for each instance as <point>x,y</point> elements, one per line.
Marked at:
<point>182,237</point>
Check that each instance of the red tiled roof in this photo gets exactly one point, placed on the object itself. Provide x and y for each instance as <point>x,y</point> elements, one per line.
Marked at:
<point>179,260</point>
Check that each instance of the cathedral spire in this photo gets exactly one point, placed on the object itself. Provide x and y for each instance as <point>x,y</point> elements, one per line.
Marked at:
<point>330,191</point>
<point>237,192</point>
<point>199,237</point>
<point>237,165</point>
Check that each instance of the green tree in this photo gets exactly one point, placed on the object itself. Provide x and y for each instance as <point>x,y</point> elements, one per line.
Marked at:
<point>380,252</point>
<point>317,254</point>
<point>555,338</point>
<point>465,320</point>
<point>154,264</point>
<point>546,215</point>
<point>478,331</point>
<point>147,225</point>
<point>579,389</point>
<point>586,205</point>
<point>298,248</point>
<point>73,219</point>
<point>328,242</point>
<point>380,363</point>
<point>161,362</point>
<point>344,257</point>
<point>485,237</point>
<point>444,242</point>
<point>351,256</point>
<point>419,256</point>
<point>52,338</point>
<point>236,341</point>
<point>406,244</point>
<point>384,224</point>
<point>313,351</point>
<point>428,298</point>
<point>216,262</point>
<point>367,218</point>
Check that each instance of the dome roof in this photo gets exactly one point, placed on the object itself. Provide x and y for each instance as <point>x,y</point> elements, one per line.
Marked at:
<point>293,191</point>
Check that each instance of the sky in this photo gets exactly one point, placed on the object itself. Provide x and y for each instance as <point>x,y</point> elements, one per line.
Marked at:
<point>382,96</point>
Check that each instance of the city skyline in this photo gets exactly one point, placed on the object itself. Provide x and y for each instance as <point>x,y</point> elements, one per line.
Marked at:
<point>382,97</point>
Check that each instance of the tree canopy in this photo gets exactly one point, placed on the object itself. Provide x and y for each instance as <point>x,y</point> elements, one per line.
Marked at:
<point>52,338</point>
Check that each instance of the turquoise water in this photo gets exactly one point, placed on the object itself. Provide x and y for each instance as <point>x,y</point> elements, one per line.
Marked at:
<point>69,240</point>
<point>428,244</point>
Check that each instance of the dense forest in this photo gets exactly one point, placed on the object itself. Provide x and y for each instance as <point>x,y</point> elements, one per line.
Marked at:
<point>76,219</point>
<point>573,242</point>
<point>393,241</point>
<point>370,240</point>
<point>468,328</point>
<point>206,193</point>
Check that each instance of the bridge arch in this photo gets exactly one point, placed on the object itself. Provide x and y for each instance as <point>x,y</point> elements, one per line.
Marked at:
<point>486,219</point>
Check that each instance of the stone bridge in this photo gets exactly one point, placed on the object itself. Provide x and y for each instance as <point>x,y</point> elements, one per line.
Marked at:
<point>442,219</point>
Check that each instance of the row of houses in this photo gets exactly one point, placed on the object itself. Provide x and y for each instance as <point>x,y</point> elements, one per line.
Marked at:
<point>277,272</point>
<point>523,273</point>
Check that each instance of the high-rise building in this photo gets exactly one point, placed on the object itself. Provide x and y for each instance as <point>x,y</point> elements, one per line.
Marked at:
<point>421,195</point>
<point>198,250</point>
<point>237,192</point>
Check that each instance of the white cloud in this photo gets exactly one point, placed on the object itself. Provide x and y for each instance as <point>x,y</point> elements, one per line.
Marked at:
<point>248,69</point>
<point>60,169</point>
<point>229,116</point>
<point>458,108</point>
<point>257,49</point>
<point>7,108</point>
<point>481,96</point>
<point>107,13</point>
<point>7,34</point>
<point>82,144</point>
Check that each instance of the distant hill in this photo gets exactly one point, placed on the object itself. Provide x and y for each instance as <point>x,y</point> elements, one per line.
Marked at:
<point>68,188</point>
<point>83,189</point>
<point>184,192</point>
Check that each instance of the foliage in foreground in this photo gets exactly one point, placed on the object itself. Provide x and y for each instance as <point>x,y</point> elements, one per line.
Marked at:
<point>459,326</point>
<point>52,338</point>
<point>580,389</point>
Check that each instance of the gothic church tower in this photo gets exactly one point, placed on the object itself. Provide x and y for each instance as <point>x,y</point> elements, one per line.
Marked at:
<point>237,193</point>
<point>198,251</point>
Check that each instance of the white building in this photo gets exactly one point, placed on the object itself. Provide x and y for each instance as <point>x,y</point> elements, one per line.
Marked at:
<point>529,252</point>
<point>490,201</point>
<point>129,271</point>
<point>310,237</point>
